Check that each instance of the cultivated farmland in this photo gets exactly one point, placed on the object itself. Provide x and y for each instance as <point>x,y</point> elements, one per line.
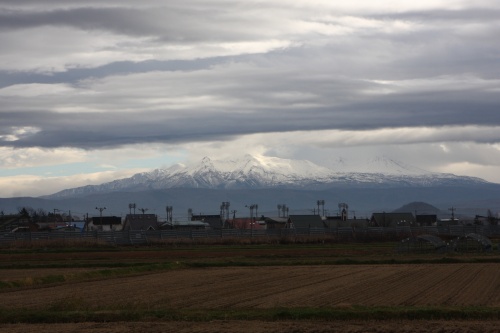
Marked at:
<point>310,288</point>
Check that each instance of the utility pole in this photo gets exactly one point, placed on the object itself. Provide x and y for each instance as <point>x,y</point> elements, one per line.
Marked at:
<point>344,211</point>
<point>227,204</point>
<point>321,203</point>
<point>250,207</point>
<point>224,210</point>
<point>130,207</point>
<point>169,213</point>
<point>100,209</point>
<point>55,218</point>
<point>452,213</point>
<point>284,209</point>
<point>87,222</point>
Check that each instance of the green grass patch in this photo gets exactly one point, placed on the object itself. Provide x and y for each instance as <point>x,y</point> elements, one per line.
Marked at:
<point>245,262</point>
<point>71,264</point>
<point>78,311</point>
<point>109,273</point>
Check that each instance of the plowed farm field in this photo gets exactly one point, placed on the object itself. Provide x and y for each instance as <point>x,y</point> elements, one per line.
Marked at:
<point>269,287</point>
<point>223,286</point>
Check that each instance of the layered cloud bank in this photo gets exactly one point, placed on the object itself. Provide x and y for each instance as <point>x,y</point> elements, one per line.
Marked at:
<point>93,86</point>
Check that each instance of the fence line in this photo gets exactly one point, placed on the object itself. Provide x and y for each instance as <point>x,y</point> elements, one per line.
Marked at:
<point>139,237</point>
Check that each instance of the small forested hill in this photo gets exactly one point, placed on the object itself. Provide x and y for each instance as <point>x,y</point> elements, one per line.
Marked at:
<point>419,207</point>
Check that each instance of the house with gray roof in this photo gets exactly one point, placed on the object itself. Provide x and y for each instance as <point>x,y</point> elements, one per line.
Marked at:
<point>276,222</point>
<point>337,222</point>
<point>392,219</point>
<point>141,222</point>
<point>214,221</point>
<point>305,221</point>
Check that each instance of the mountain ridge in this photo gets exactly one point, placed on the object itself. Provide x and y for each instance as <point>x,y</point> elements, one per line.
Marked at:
<point>468,201</point>
<point>261,172</point>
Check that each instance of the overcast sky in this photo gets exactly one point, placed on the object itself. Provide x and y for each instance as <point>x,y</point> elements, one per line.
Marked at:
<point>91,91</point>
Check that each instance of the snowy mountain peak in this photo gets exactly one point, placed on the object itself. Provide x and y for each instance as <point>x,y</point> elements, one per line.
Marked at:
<point>251,172</point>
<point>385,165</point>
<point>206,163</point>
<point>273,165</point>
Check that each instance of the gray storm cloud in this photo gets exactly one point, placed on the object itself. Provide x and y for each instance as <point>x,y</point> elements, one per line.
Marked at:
<point>217,70</point>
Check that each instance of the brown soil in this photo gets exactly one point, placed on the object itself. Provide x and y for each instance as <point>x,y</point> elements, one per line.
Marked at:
<point>259,326</point>
<point>256,287</point>
<point>7,275</point>
<point>267,287</point>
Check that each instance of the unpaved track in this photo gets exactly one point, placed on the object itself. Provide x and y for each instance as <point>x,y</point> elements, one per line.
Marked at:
<point>266,287</point>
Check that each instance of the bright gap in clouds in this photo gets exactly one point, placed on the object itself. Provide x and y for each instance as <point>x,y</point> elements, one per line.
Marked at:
<point>41,172</point>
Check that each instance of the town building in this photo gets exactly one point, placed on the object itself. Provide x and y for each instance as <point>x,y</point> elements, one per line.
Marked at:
<point>141,222</point>
<point>104,223</point>
<point>305,221</point>
<point>214,221</point>
<point>392,220</point>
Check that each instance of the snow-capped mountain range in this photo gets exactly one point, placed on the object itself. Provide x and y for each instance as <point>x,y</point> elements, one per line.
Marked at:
<point>258,172</point>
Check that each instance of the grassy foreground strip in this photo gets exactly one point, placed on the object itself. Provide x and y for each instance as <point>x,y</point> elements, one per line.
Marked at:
<point>71,314</point>
<point>87,276</point>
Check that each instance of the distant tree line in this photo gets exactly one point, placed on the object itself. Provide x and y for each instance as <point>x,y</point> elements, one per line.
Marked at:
<point>42,216</point>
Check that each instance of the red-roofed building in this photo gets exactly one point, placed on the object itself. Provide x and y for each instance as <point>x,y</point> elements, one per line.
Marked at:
<point>246,223</point>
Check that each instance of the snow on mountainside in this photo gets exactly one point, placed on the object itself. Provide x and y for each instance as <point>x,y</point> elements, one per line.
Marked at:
<point>251,172</point>
<point>379,165</point>
<point>393,167</point>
